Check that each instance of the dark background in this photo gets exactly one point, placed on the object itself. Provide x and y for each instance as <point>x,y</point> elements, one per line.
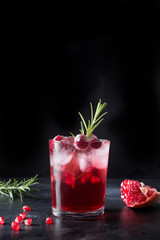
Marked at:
<point>52,68</point>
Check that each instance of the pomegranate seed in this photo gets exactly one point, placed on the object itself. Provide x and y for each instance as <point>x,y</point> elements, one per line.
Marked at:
<point>26,208</point>
<point>149,193</point>
<point>18,219</point>
<point>81,142</point>
<point>15,226</point>
<point>95,179</point>
<point>95,143</point>
<point>1,220</point>
<point>49,220</point>
<point>69,179</point>
<point>23,215</point>
<point>129,182</point>
<point>58,138</point>
<point>125,182</point>
<point>86,177</point>
<point>28,221</point>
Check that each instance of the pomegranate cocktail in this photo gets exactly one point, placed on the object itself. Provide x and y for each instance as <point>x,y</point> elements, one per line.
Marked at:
<point>78,166</point>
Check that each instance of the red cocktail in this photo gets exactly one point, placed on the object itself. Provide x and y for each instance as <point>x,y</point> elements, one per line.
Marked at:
<point>78,177</point>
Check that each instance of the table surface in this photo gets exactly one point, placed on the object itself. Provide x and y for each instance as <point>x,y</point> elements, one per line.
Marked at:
<point>118,222</point>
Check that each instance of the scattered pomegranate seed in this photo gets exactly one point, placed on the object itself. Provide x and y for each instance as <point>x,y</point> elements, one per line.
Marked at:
<point>23,215</point>
<point>18,219</point>
<point>1,220</point>
<point>15,226</point>
<point>28,221</point>
<point>49,220</point>
<point>26,208</point>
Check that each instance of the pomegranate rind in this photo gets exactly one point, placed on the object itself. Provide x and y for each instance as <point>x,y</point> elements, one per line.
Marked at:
<point>150,201</point>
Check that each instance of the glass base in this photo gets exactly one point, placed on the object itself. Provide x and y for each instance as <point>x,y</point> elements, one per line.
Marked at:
<point>78,215</point>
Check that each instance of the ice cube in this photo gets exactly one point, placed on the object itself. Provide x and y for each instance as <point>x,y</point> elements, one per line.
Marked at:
<point>102,155</point>
<point>85,161</point>
<point>60,155</point>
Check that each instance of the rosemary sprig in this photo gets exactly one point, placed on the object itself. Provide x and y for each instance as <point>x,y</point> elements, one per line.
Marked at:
<point>18,188</point>
<point>96,119</point>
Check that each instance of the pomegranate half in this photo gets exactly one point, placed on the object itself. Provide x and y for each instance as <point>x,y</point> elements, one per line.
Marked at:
<point>138,195</point>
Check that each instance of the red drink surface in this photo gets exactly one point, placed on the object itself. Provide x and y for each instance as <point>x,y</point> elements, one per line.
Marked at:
<point>78,178</point>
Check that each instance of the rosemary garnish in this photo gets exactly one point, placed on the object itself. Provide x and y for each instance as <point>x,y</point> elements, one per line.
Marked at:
<point>95,119</point>
<point>19,188</point>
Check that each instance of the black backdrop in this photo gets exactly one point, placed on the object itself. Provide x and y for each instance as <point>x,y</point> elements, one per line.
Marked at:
<point>51,71</point>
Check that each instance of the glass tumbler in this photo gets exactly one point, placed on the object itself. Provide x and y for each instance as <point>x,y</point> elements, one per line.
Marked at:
<point>78,179</point>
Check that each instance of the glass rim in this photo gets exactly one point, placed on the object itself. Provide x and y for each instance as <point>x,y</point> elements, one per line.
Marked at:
<point>101,139</point>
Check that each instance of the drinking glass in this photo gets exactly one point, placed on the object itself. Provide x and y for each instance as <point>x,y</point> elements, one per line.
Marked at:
<point>78,179</point>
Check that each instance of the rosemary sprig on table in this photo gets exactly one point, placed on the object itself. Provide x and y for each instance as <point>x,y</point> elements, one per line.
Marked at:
<point>96,119</point>
<point>9,188</point>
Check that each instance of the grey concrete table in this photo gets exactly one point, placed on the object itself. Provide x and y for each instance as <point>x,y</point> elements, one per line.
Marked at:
<point>119,221</point>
